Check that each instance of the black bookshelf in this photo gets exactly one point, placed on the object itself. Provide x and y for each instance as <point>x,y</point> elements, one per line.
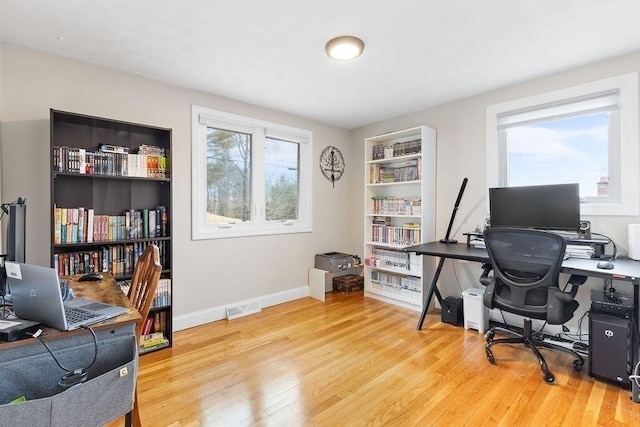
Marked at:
<point>111,169</point>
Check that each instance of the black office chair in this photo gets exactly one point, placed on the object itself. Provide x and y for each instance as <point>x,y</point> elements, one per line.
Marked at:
<point>526,266</point>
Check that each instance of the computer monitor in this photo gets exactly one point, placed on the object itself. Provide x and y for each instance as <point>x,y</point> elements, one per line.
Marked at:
<point>547,207</point>
<point>16,232</point>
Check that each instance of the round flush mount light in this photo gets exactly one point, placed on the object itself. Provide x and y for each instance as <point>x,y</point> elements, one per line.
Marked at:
<point>344,48</point>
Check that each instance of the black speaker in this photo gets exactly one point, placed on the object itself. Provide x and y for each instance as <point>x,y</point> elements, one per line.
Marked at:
<point>451,311</point>
<point>584,231</point>
<point>610,344</point>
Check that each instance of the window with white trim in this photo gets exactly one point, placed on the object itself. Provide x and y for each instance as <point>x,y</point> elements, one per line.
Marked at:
<point>586,134</point>
<point>250,177</point>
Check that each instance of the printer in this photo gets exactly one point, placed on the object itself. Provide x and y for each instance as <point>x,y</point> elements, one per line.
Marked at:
<point>334,262</point>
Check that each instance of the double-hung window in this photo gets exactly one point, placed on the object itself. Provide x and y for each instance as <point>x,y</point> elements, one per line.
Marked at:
<point>586,134</point>
<point>250,177</point>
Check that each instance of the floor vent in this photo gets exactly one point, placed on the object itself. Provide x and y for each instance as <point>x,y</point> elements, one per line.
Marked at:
<point>243,310</point>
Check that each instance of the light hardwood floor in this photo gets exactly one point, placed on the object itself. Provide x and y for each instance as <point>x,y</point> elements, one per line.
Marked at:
<point>354,361</point>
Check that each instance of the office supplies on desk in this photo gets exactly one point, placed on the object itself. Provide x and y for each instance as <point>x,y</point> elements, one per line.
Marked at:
<point>90,277</point>
<point>605,265</point>
<point>36,296</point>
<point>12,329</point>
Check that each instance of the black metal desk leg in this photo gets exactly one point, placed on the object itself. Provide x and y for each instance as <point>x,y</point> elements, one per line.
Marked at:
<point>433,288</point>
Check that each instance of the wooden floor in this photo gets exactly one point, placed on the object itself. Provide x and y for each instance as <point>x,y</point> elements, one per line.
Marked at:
<point>353,361</point>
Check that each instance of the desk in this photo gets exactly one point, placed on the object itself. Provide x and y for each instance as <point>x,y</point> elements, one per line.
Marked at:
<point>625,270</point>
<point>26,368</point>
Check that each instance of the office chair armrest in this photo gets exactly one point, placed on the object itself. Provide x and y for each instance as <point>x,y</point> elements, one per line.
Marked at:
<point>484,278</point>
<point>557,300</point>
<point>487,299</point>
<point>576,281</point>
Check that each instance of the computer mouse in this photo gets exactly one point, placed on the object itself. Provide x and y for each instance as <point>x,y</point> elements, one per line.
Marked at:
<point>605,265</point>
<point>90,277</point>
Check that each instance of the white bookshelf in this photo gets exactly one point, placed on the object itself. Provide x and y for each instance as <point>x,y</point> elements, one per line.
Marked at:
<point>399,200</point>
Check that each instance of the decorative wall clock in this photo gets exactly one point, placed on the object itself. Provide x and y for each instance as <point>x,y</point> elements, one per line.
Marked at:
<point>332,164</point>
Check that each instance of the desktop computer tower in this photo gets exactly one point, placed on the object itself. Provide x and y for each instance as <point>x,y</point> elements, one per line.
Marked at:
<point>610,344</point>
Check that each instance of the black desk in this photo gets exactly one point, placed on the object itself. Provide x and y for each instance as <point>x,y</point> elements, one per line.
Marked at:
<point>625,270</point>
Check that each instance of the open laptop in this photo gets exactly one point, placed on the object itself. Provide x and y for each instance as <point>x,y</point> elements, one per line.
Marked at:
<point>36,295</point>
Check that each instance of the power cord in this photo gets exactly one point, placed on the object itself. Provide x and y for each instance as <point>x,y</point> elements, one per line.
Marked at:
<point>72,376</point>
<point>455,273</point>
<point>635,375</point>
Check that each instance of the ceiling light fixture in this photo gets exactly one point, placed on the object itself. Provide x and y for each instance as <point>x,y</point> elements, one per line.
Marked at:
<point>344,48</point>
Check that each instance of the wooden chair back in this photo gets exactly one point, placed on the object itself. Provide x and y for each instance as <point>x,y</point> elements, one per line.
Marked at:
<point>144,284</point>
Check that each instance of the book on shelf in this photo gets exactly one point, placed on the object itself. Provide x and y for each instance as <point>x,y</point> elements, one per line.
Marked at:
<point>416,206</point>
<point>377,152</point>
<point>108,148</point>
<point>153,341</point>
<point>381,220</point>
<point>57,225</point>
<point>407,148</point>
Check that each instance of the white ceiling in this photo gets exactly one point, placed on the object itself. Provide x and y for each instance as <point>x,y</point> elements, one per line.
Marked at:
<point>419,53</point>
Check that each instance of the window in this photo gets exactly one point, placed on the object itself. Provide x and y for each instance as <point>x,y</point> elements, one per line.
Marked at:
<point>250,177</point>
<point>586,134</point>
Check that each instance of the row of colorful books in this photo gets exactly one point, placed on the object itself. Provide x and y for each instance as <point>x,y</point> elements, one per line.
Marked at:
<point>153,341</point>
<point>162,296</point>
<point>155,322</point>
<point>80,225</point>
<point>404,236</point>
<point>388,205</point>
<point>397,149</point>
<point>394,258</point>
<point>119,260</point>
<point>112,161</point>
<point>391,281</point>
<point>407,171</point>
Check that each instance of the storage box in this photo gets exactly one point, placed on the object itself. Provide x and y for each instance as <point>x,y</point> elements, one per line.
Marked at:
<point>348,283</point>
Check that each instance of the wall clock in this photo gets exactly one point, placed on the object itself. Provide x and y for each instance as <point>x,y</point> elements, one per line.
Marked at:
<point>332,164</point>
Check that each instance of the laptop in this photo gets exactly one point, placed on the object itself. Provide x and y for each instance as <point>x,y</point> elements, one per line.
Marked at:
<point>36,295</point>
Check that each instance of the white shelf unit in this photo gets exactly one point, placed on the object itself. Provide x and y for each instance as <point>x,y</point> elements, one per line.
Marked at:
<point>399,200</point>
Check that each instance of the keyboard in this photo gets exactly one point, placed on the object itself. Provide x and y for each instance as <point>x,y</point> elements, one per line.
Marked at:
<point>75,315</point>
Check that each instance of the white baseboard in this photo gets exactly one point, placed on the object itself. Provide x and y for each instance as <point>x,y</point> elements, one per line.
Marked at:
<point>213,314</point>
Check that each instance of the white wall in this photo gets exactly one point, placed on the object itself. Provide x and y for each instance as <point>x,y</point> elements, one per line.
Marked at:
<point>208,274</point>
<point>461,152</point>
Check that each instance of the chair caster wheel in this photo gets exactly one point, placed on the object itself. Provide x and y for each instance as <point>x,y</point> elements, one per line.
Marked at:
<point>489,335</point>
<point>490,357</point>
<point>548,377</point>
<point>577,364</point>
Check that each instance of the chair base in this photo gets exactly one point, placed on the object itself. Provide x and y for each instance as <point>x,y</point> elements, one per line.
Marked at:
<point>532,343</point>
